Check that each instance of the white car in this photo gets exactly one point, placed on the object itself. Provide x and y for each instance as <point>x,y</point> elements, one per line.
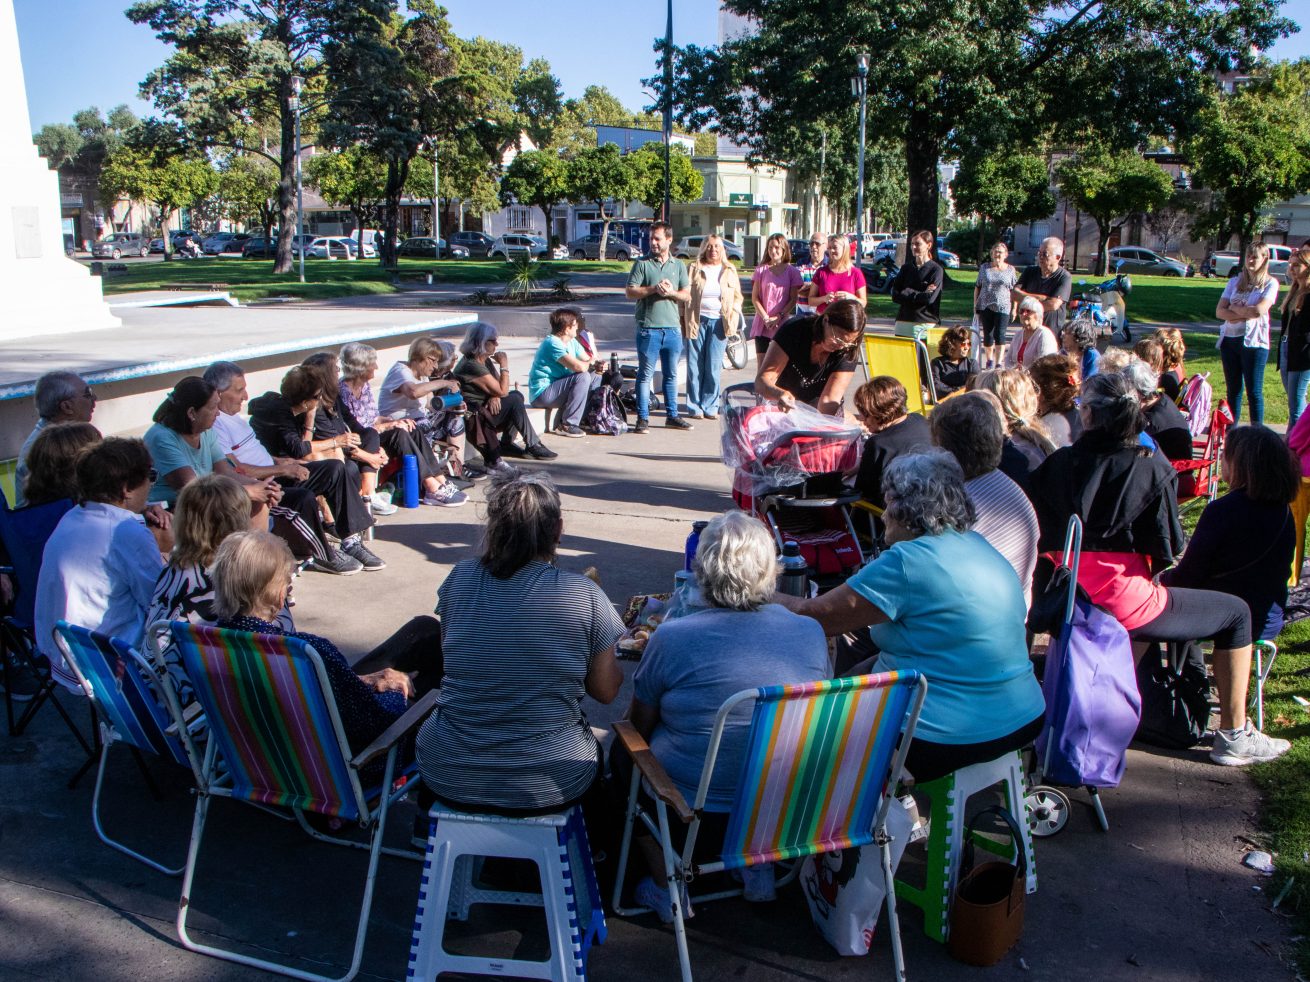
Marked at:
<point>519,246</point>
<point>367,250</point>
<point>332,247</point>
<point>688,247</point>
<point>1226,263</point>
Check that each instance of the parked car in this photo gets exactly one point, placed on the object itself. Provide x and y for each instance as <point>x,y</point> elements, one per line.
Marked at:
<point>365,250</point>
<point>425,247</point>
<point>886,249</point>
<point>1135,259</point>
<point>157,245</point>
<point>1225,262</point>
<point>588,247</point>
<point>948,259</point>
<point>302,241</point>
<point>517,246</point>
<point>257,248</point>
<point>119,244</point>
<point>800,251</point>
<point>213,245</point>
<point>478,244</point>
<point>332,247</point>
<point>689,246</point>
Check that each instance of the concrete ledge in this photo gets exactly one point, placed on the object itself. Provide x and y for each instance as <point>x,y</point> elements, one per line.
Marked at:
<point>154,298</point>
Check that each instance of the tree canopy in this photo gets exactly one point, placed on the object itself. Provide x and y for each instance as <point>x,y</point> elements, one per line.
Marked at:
<point>1111,188</point>
<point>647,165</point>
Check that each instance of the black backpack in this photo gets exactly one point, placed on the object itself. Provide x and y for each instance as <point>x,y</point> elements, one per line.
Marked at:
<point>605,415</point>
<point>1175,697</point>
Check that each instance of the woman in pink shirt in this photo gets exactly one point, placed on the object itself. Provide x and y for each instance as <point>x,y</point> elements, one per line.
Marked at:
<point>841,279</point>
<point>774,289</point>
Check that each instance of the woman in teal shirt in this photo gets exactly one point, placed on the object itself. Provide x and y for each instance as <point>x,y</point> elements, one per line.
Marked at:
<point>942,601</point>
<point>561,377</point>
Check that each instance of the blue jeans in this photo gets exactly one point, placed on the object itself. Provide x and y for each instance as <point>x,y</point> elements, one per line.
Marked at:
<point>704,364</point>
<point>666,344</point>
<point>1295,384</point>
<point>1244,367</point>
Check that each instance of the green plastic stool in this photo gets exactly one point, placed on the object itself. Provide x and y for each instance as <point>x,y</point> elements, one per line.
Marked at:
<point>950,796</point>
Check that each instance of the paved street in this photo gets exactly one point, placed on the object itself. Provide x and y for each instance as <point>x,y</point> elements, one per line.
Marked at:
<point>1161,897</point>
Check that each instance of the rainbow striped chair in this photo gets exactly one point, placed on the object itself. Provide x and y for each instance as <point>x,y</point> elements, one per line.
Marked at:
<point>275,731</point>
<point>822,760</point>
<point>127,694</point>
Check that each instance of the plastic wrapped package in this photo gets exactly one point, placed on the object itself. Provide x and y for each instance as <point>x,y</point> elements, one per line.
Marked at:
<point>768,448</point>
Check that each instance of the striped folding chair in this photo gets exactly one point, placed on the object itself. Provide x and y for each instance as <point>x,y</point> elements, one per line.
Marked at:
<point>822,762</point>
<point>129,697</point>
<point>275,730</point>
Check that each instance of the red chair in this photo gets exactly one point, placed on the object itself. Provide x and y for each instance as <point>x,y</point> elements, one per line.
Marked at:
<point>1198,479</point>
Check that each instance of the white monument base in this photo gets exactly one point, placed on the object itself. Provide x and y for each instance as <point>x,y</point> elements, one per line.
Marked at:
<point>42,291</point>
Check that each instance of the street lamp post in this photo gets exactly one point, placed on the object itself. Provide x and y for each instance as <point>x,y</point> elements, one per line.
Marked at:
<point>436,204</point>
<point>668,110</point>
<point>859,87</point>
<point>296,83</point>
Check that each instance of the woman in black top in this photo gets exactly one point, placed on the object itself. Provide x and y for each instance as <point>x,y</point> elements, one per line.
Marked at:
<point>953,365</point>
<point>812,359</point>
<point>483,373</point>
<point>1244,541</point>
<point>880,406</point>
<point>1294,339</point>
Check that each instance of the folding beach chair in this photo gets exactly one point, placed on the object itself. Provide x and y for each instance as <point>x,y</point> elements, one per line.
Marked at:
<point>25,533</point>
<point>821,764</point>
<point>130,698</point>
<point>1198,479</point>
<point>904,359</point>
<point>276,739</point>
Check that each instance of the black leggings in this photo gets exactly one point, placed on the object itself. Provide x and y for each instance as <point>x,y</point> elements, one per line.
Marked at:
<point>1199,615</point>
<point>414,649</point>
<point>762,345</point>
<point>994,324</point>
<point>398,442</point>
<point>927,761</point>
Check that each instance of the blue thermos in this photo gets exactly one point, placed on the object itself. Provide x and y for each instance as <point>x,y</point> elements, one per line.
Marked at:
<point>693,540</point>
<point>409,481</point>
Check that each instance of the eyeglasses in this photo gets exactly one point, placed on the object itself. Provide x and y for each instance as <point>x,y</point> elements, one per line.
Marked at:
<point>846,346</point>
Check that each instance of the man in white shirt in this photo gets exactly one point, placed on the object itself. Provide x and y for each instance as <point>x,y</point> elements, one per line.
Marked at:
<point>297,518</point>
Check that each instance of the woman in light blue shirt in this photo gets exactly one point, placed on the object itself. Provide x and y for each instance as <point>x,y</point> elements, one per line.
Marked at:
<point>561,377</point>
<point>943,601</point>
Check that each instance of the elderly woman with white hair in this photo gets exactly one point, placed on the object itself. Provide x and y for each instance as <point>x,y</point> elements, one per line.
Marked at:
<point>1165,423</point>
<point>692,665</point>
<point>1033,340</point>
<point>398,437</point>
<point>483,374</point>
<point>943,601</point>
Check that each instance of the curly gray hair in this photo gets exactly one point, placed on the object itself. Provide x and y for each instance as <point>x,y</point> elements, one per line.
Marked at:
<point>736,562</point>
<point>1084,331</point>
<point>1141,378</point>
<point>357,358</point>
<point>925,494</point>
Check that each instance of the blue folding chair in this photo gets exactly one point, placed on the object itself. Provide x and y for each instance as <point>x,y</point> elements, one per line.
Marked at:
<point>131,699</point>
<point>24,533</point>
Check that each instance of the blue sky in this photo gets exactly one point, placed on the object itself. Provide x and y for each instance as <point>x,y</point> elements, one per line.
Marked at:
<point>85,52</point>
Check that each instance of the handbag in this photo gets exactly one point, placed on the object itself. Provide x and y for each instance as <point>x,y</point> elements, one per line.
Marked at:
<point>735,354</point>
<point>987,909</point>
<point>1175,698</point>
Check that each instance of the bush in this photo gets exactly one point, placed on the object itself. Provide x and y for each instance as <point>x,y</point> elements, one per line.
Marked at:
<point>963,241</point>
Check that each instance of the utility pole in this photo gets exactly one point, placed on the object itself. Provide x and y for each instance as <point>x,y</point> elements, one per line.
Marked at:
<point>296,83</point>
<point>668,109</point>
<point>436,207</point>
<point>859,86</point>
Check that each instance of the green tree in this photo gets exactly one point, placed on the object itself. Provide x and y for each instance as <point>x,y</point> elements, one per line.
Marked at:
<point>247,188</point>
<point>85,144</point>
<point>647,166</point>
<point>1004,189</point>
<point>229,83</point>
<point>354,179</point>
<point>148,167</point>
<point>1111,188</point>
<point>1252,149</point>
<point>600,175</point>
<point>535,178</point>
<point>539,101</point>
<point>942,71</point>
<point>58,143</point>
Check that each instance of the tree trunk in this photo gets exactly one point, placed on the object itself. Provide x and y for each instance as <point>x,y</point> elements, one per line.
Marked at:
<point>397,175</point>
<point>604,233</point>
<point>286,185</point>
<point>922,151</point>
<point>1103,232</point>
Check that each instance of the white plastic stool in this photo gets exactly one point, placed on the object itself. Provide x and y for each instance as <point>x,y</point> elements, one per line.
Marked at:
<point>1262,670</point>
<point>457,844</point>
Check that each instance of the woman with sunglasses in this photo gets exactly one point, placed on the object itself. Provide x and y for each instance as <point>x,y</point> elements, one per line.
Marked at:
<point>812,359</point>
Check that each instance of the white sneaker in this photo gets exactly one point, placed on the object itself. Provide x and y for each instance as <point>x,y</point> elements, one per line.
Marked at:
<point>1246,746</point>
<point>379,503</point>
<point>446,496</point>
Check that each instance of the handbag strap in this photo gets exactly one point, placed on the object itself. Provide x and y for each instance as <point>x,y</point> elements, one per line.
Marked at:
<point>1021,859</point>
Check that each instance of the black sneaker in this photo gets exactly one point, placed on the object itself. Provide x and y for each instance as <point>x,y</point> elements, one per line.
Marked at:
<point>569,430</point>
<point>356,549</point>
<point>338,562</point>
<point>677,423</point>
<point>539,451</point>
<point>472,474</point>
<point>508,448</point>
<point>643,426</point>
<point>24,683</point>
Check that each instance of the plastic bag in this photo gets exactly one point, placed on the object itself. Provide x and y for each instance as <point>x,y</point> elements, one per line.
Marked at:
<point>769,448</point>
<point>845,890</point>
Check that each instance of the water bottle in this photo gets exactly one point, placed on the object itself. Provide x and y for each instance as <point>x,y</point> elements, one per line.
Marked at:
<point>614,364</point>
<point>795,576</point>
<point>409,481</point>
<point>693,540</point>
<point>450,400</point>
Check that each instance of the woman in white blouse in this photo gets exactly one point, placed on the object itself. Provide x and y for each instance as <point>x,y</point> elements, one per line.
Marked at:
<point>712,316</point>
<point>1244,334</point>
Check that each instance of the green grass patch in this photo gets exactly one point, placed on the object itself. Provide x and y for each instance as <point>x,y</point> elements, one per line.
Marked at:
<point>254,279</point>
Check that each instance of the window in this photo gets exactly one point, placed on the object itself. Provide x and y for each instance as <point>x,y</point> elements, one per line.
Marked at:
<point>520,216</point>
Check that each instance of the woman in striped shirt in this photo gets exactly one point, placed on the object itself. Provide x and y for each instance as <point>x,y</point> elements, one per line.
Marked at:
<point>523,642</point>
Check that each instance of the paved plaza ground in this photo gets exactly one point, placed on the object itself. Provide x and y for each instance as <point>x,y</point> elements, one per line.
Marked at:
<point>1161,897</point>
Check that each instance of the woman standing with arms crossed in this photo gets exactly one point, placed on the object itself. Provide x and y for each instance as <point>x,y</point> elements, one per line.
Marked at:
<point>713,316</point>
<point>774,289</point>
<point>992,303</point>
<point>1244,333</point>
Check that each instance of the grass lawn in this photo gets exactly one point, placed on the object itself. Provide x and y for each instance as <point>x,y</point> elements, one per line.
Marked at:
<point>255,280</point>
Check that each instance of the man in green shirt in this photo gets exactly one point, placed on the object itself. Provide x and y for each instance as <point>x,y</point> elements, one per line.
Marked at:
<point>660,285</point>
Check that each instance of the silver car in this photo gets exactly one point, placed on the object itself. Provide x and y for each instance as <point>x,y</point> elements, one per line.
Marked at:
<point>1135,259</point>
<point>119,244</point>
<point>588,247</point>
<point>519,246</point>
<point>688,247</point>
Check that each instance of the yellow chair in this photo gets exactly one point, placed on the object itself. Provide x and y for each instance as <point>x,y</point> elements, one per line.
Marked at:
<point>904,359</point>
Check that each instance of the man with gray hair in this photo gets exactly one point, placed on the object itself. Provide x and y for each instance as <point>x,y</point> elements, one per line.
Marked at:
<point>61,397</point>
<point>1048,282</point>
